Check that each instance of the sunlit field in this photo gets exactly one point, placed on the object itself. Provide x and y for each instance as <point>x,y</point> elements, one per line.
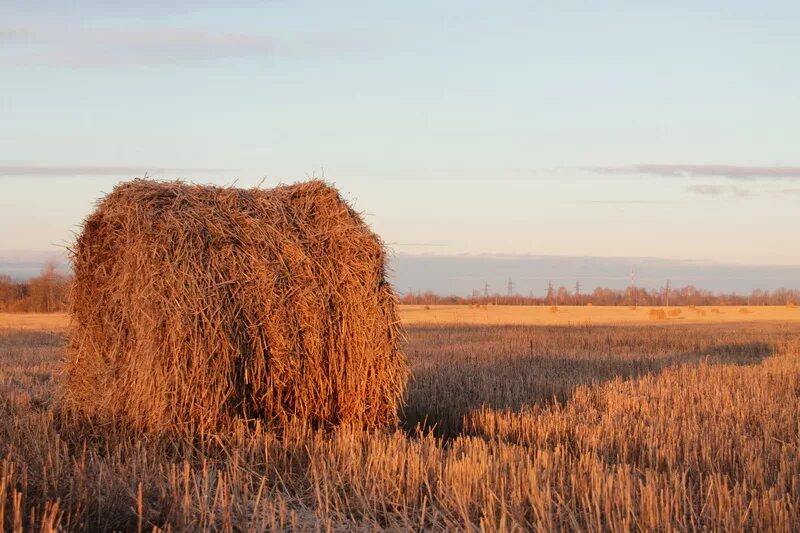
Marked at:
<point>34,321</point>
<point>565,315</point>
<point>515,427</point>
<point>519,315</point>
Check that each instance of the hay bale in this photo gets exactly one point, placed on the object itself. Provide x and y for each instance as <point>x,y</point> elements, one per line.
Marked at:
<point>197,305</point>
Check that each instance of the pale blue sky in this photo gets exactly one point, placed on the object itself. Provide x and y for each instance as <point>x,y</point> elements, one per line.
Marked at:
<point>568,128</point>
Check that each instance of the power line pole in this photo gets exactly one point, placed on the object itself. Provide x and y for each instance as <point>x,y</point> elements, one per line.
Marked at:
<point>486,289</point>
<point>510,287</point>
<point>633,286</point>
<point>666,293</point>
<point>577,291</point>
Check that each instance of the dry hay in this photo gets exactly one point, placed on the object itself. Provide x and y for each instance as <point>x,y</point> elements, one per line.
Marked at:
<point>657,314</point>
<point>195,306</point>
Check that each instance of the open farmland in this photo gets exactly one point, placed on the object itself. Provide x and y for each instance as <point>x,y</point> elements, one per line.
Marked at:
<point>518,315</point>
<point>587,314</point>
<point>582,427</point>
<point>420,267</point>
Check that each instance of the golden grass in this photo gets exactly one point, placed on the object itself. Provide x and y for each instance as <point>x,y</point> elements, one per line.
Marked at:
<point>34,321</point>
<point>583,428</point>
<point>505,315</point>
<point>566,314</point>
<point>692,448</point>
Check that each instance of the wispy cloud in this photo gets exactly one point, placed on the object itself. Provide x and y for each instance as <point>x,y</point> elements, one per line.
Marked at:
<point>82,46</point>
<point>630,202</point>
<point>44,171</point>
<point>741,192</point>
<point>719,190</point>
<point>733,172</point>
<point>122,8</point>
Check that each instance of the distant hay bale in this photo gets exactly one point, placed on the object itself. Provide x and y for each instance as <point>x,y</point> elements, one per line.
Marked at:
<point>195,306</point>
<point>657,314</point>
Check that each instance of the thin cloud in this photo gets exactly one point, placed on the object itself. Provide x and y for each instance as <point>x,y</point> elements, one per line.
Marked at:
<point>631,202</point>
<point>78,46</point>
<point>719,190</point>
<point>121,8</point>
<point>45,171</point>
<point>732,172</point>
<point>421,244</point>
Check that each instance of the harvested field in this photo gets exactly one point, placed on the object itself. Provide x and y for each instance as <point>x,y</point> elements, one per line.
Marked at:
<point>34,321</point>
<point>597,315</point>
<point>635,427</point>
<point>514,315</point>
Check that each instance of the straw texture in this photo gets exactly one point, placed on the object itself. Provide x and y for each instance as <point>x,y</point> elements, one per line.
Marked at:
<point>197,305</point>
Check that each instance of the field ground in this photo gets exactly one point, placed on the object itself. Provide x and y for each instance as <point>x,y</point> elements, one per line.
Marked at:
<point>565,315</point>
<point>34,321</point>
<point>517,315</point>
<point>514,427</point>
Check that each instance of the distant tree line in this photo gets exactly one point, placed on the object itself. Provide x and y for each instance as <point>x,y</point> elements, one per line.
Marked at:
<point>45,293</point>
<point>49,291</point>
<point>689,295</point>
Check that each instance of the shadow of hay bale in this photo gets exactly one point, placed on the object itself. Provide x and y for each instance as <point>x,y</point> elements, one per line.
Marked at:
<point>458,369</point>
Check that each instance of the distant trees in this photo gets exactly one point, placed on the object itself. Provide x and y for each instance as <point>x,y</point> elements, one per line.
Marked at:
<point>563,297</point>
<point>10,292</point>
<point>46,293</point>
<point>49,291</point>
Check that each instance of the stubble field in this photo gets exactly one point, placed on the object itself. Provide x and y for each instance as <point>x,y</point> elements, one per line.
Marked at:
<point>522,315</point>
<point>654,424</point>
<point>596,315</point>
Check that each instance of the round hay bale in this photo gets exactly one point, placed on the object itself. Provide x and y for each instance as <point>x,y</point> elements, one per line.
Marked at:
<point>194,306</point>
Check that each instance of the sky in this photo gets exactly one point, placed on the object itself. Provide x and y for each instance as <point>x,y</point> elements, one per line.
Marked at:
<point>459,128</point>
